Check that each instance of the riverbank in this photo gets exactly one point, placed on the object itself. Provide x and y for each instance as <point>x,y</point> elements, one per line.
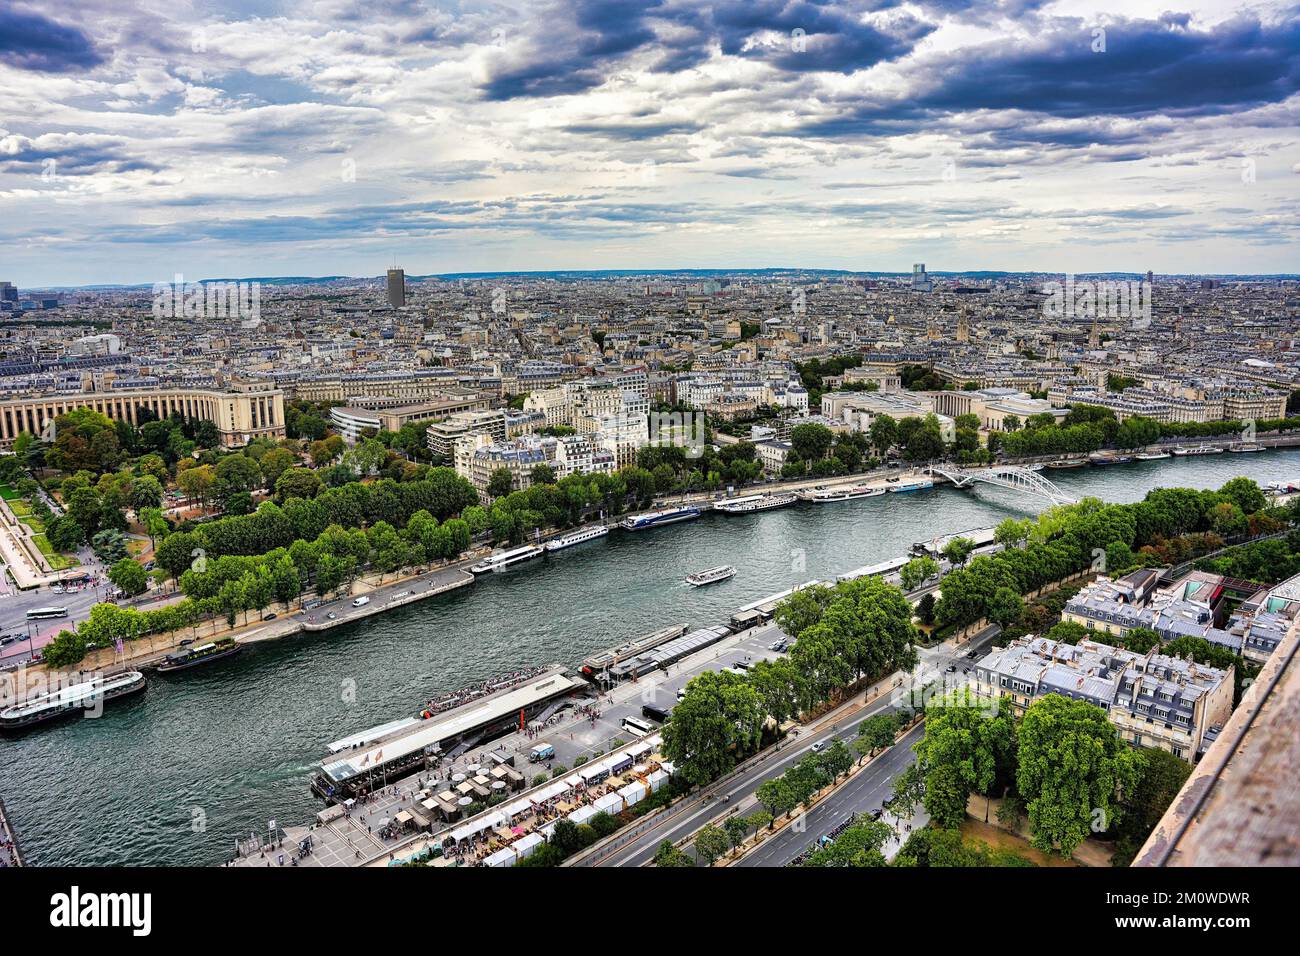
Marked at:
<point>241,738</point>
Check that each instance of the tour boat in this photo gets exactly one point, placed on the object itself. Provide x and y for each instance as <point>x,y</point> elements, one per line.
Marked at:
<point>711,576</point>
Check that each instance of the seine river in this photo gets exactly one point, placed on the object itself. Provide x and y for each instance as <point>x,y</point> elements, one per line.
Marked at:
<point>174,775</point>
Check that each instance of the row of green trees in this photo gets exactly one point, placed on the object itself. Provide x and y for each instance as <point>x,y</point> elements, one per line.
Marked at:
<point>442,494</point>
<point>1068,539</point>
<point>855,630</point>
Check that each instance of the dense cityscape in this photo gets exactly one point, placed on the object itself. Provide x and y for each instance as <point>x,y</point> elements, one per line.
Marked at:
<point>647,435</point>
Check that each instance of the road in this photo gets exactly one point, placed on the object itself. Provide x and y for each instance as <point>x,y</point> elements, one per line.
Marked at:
<point>867,791</point>
<point>738,790</point>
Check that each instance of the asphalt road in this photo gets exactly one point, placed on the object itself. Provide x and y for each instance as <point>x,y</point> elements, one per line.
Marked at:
<point>867,791</point>
<point>695,811</point>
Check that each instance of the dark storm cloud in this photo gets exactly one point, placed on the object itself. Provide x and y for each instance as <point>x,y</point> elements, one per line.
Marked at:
<point>32,42</point>
<point>793,35</point>
<point>1149,68</point>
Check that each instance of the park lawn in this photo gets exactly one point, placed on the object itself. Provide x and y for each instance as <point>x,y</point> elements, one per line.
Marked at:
<point>36,524</point>
<point>8,494</point>
<point>19,506</point>
<point>59,562</point>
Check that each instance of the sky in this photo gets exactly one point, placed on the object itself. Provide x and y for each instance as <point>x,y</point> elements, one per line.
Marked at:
<point>140,139</point>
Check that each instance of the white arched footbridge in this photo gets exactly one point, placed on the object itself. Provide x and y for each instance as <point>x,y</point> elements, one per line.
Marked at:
<point>1007,476</point>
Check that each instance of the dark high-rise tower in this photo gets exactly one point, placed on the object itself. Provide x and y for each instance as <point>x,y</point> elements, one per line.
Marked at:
<point>396,288</point>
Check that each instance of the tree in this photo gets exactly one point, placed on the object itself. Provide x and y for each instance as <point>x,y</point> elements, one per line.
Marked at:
<point>776,797</point>
<point>668,855</point>
<point>500,483</point>
<point>109,545</point>
<point>957,551</point>
<point>884,433</point>
<point>128,575</point>
<point>710,843</point>
<point>719,716</point>
<point>296,483</point>
<point>1011,533</point>
<point>858,846</point>
<point>1074,772</point>
<point>964,751</point>
<point>146,492</point>
<point>543,475</point>
<point>1163,776</point>
<point>1005,607</point>
<point>877,732</point>
<point>238,473</point>
<point>275,463</point>
<point>736,827</point>
<point>811,441</point>
<point>1245,494</point>
<point>917,571</point>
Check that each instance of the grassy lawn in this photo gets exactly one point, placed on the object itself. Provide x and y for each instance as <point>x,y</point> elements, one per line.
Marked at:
<point>8,494</point>
<point>57,561</point>
<point>36,524</point>
<point>19,506</point>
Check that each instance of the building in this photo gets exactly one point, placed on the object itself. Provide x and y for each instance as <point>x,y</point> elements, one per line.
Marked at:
<point>443,435</point>
<point>773,454</point>
<point>1194,606</point>
<point>241,413</point>
<point>920,281</point>
<point>1240,805</point>
<point>351,420</point>
<point>1153,700</point>
<point>396,288</point>
<point>994,405</point>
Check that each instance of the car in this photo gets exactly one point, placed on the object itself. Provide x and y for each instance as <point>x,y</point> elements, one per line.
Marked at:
<point>185,643</point>
<point>819,746</point>
<point>952,668</point>
<point>7,639</point>
<point>776,646</point>
<point>332,616</point>
<point>268,617</point>
<point>877,813</point>
<point>57,589</point>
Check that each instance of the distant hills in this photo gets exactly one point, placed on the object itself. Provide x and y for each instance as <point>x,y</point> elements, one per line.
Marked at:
<point>573,275</point>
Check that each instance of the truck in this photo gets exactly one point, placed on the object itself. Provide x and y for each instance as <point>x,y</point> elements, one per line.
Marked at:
<point>361,602</point>
<point>541,752</point>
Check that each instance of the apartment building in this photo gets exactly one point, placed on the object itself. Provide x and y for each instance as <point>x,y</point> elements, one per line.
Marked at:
<point>1152,699</point>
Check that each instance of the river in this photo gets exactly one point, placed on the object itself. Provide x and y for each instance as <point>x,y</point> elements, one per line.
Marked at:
<point>174,775</point>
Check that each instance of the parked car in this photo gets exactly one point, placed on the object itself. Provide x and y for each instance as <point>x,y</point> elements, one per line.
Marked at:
<point>269,617</point>
<point>819,746</point>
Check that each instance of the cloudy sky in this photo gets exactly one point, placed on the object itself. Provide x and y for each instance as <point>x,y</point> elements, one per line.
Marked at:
<point>142,138</point>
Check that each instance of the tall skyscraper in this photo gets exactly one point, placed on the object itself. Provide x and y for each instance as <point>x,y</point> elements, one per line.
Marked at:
<point>8,292</point>
<point>396,288</point>
<point>920,281</point>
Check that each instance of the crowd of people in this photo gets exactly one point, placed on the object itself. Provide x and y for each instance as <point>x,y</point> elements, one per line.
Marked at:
<point>436,705</point>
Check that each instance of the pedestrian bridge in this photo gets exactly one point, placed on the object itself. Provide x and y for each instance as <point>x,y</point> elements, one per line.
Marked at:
<point>1007,476</point>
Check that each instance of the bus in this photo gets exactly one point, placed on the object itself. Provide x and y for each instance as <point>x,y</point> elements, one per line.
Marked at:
<point>637,726</point>
<point>40,613</point>
<point>652,712</point>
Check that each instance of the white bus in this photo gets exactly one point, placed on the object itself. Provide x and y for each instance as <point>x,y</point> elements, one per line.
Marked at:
<point>637,726</point>
<point>40,613</point>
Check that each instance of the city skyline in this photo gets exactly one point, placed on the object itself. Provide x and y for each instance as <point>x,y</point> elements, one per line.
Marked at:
<point>306,139</point>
